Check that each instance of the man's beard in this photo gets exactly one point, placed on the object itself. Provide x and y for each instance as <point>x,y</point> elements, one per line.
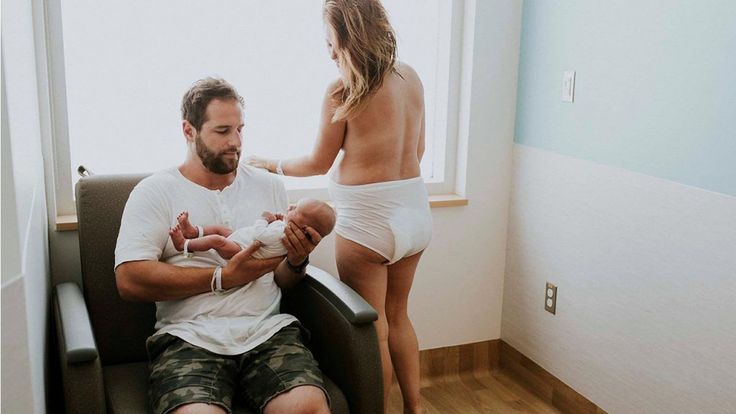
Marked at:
<point>215,162</point>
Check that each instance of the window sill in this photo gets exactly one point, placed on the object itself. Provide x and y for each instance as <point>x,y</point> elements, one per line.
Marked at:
<point>69,223</point>
<point>66,223</point>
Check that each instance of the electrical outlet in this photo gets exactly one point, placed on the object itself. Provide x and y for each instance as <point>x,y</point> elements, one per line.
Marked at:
<point>550,298</point>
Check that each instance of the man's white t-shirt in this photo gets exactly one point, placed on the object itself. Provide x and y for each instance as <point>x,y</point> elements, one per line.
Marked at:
<point>243,317</point>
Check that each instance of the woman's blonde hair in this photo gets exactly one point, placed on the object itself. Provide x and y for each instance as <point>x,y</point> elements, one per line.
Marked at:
<point>366,51</point>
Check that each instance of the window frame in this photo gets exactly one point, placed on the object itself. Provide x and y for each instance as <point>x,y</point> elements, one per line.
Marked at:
<point>48,31</point>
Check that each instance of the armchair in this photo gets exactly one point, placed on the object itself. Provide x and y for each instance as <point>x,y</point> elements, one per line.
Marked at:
<point>102,337</point>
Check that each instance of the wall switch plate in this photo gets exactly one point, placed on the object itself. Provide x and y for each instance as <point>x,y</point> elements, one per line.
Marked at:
<point>550,298</point>
<point>568,86</point>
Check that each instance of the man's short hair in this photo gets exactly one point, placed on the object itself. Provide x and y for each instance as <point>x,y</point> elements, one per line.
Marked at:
<point>195,101</point>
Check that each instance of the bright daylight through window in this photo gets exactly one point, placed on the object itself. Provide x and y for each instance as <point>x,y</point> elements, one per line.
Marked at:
<point>127,65</point>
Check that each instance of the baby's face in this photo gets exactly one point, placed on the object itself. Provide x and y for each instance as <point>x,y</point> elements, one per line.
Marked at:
<point>296,216</point>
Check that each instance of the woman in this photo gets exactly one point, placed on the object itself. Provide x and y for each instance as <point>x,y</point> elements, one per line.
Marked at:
<point>375,113</point>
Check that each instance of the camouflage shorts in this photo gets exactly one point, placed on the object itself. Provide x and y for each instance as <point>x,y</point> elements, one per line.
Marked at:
<point>182,373</point>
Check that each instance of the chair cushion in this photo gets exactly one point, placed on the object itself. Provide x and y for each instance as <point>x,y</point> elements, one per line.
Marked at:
<point>127,390</point>
<point>120,327</point>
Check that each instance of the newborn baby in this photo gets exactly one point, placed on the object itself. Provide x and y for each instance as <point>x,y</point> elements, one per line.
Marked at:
<point>269,230</point>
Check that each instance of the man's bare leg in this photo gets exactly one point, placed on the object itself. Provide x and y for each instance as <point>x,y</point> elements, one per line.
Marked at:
<point>199,408</point>
<point>305,399</point>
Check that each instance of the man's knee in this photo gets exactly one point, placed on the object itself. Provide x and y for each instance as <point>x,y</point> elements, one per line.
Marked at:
<point>306,399</point>
<point>199,408</point>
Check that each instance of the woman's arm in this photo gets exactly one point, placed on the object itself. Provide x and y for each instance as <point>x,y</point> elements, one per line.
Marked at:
<point>329,141</point>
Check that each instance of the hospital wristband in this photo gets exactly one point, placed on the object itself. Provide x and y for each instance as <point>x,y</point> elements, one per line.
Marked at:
<point>279,168</point>
<point>216,282</point>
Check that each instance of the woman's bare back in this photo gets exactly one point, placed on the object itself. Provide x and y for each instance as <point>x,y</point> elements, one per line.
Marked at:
<point>385,141</point>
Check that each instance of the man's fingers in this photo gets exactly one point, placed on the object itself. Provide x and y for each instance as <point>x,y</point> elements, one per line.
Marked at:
<point>299,234</point>
<point>313,235</point>
<point>248,251</point>
<point>298,244</point>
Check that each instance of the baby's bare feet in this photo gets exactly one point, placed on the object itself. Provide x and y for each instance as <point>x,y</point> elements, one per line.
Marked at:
<point>187,230</point>
<point>177,238</point>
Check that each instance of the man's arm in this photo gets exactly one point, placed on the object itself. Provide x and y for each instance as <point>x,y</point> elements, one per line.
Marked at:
<point>149,280</point>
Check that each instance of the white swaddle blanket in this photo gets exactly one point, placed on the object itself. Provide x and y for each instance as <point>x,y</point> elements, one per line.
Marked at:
<point>268,234</point>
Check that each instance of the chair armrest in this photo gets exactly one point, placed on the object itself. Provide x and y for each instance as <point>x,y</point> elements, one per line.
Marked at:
<point>355,309</point>
<point>343,338</point>
<point>75,327</point>
<point>81,371</point>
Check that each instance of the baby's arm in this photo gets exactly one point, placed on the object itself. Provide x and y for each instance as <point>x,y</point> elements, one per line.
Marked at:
<point>271,217</point>
<point>270,238</point>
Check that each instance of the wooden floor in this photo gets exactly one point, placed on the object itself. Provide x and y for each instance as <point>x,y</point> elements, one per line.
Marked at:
<point>492,391</point>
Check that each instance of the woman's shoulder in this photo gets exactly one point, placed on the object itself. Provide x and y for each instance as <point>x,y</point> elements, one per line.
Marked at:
<point>407,72</point>
<point>333,86</point>
<point>410,78</point>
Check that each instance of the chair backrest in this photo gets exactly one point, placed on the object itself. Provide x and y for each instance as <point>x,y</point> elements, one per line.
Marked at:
<point>120,327</point>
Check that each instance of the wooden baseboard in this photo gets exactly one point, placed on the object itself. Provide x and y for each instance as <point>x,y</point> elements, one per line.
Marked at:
<point>455,361</point>
<point>476,358</point>
<point>544,384</point>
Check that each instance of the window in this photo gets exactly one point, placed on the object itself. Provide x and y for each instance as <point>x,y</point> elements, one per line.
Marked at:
<point>125,66</point>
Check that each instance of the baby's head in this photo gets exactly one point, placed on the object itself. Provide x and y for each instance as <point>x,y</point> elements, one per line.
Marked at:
<point>313,213</point>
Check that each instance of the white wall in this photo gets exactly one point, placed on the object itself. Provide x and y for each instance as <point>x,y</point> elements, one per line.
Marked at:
<point>646,276</point>
<point>654,84</point>
<point>646,268</point>
<point>25,264</point>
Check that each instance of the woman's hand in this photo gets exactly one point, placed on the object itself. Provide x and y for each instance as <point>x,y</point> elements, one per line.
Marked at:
<point>259,162</point>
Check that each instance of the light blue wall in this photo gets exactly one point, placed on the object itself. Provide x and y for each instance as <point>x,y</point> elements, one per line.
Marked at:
<point>655,85</point>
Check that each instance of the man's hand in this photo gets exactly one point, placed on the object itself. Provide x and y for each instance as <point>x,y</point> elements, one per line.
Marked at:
<point>298,244</point>
<point>243,268</point>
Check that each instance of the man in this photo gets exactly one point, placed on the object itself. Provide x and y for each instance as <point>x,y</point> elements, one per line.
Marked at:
<point>219,332</point>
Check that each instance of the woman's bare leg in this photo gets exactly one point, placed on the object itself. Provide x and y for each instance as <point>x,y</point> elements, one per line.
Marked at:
<point>364,271</point>
<point>402,339</point>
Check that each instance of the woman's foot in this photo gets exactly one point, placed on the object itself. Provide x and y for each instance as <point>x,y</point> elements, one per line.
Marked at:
<point>189,231</point>
<point>177,237</point>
